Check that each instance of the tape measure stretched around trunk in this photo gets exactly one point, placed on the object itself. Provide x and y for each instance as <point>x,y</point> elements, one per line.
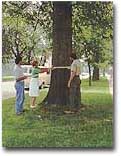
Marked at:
<point>61,67</point>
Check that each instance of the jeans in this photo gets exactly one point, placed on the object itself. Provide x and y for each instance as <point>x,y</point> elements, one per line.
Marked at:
<point>19,86</point>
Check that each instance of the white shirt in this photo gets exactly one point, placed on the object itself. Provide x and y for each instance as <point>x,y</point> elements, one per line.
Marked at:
<point>18,72</point>
<point>76,66</point>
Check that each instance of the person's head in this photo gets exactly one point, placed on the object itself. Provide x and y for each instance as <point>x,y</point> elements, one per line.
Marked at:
<point>35,63</point>
<point>73,56</point>
<point>18,60</point>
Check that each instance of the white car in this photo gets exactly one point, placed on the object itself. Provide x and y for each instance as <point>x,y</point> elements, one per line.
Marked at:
<point>84,75</point>
<point>44,76</point>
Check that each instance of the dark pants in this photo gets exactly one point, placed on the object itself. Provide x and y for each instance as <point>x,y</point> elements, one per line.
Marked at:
<point>75,94</point>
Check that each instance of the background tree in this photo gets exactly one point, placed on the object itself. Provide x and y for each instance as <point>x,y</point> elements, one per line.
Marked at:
<point>93,23</point>
<point>90,21</point>
<point>23,22</point>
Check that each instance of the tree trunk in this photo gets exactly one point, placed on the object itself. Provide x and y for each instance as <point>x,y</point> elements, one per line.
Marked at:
<point>95,73</point>
<point>104,72</point>
<point>29,57</point>
<point>89,74</point>
<point>96,68</point>
<point>62,47</point>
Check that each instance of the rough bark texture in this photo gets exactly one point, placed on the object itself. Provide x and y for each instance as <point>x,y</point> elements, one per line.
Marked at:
<point>96,74</point>
<point>62,47</point>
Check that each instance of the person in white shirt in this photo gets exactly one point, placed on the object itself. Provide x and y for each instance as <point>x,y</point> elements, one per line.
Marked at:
<point>74,84</point>
<point>19,85</point>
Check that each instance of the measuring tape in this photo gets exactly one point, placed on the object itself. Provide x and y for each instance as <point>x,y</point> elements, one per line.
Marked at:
<point>61,67</point>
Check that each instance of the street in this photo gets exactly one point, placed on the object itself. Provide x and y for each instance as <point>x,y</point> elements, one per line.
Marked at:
<point>8,89</point>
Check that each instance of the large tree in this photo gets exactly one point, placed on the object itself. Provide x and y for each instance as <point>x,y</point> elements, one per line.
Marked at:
<point>92,27</point>
<point>62,47</point>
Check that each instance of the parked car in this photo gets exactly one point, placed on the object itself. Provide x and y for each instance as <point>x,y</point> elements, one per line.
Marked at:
<point>44,76</point>
<point>84,75</point>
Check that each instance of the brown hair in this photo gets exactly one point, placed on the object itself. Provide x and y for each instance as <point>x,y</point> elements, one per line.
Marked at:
<point>73,55</point>
<point>18,59</point>
<point>34,63</point>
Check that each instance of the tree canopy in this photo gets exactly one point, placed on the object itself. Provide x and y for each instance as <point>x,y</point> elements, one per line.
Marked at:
<point>24,28</point>
<point>27,27</point>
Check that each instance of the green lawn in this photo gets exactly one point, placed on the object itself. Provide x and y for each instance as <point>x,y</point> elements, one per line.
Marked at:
<point>93,127</point>
<point>7,78</point>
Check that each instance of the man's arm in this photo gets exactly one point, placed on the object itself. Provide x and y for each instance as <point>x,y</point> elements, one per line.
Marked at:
<point>71,78</point>
<point>21,78</point>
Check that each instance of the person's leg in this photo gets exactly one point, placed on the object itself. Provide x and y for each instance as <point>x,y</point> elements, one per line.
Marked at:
<point>33,99</point>
<point>77,94</point>
<point>77,98</point>
<point>72,97</point>
<point>22,97</point>
<point>19,97</point>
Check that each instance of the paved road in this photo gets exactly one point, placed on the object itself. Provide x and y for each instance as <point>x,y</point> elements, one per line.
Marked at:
<point>8,89</point>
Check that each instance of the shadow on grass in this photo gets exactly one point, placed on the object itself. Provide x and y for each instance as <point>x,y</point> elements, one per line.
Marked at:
<point>88,113</point>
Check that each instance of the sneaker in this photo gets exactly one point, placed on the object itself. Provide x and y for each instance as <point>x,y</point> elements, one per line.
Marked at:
<point>69,112</point>
<point>19,113</point>
<point>23,111</point>
<point>74,111</point>
<point>32,106</point>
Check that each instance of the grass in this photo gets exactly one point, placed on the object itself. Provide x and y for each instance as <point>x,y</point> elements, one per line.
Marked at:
<point>92,128</point>
<point>97,94</point>
<point>7,78</point>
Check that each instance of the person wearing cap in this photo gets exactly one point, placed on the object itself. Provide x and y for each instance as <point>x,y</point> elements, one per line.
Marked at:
<point>34,84</point>
<point>74,84</point>
<point>19,85</point>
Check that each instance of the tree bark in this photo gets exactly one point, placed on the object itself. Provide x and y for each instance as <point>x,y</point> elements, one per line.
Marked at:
<point>89,73</point>
<point>104,72</point>
<point>62,47</point>
<point>96,68</point>
<point>95,73</point>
